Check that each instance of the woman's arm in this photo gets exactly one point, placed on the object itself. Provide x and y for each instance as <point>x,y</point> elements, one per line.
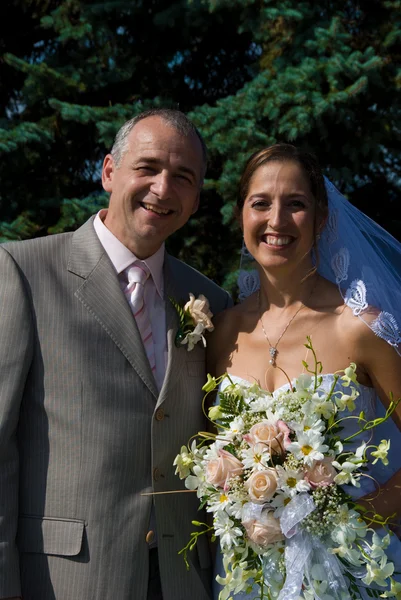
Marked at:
<point>382,364</point>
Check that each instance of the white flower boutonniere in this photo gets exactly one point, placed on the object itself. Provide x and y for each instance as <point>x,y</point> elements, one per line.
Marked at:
<point>195,319</point>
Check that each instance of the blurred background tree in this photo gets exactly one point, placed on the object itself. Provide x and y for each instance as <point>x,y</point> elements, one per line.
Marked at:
<point>325,76</point>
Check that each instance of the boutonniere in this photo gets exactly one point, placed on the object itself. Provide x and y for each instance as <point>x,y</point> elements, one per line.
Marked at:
<point>195,318</point>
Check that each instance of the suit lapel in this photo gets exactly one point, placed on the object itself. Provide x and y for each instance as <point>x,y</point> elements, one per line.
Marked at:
<point>176,355</point>
<point>101,294</point>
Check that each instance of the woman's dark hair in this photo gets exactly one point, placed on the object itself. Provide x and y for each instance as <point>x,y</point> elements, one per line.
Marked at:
<point>309,165</point>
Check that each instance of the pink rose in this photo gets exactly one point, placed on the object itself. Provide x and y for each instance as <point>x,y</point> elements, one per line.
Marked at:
<point>264,531</point>
<point>261,485</point>
<point>285,430</point>
<point>274,436</point>
<point>222,468</point>
<point>322,473</point>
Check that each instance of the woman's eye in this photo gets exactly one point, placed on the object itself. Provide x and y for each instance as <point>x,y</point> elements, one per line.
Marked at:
<point>298,204</point>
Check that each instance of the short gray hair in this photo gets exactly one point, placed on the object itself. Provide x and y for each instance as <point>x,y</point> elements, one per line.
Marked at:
<point>175,118</point>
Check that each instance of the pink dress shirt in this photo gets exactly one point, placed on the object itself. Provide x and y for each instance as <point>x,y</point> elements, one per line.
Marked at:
<point>121,258</point>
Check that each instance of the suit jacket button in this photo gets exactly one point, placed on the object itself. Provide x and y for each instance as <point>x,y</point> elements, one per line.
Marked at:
<point>157,474</point>
<point>150,536</point>
<point>159,415</point>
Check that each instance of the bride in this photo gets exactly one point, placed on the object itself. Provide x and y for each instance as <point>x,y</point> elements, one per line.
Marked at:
<point>324,270</point>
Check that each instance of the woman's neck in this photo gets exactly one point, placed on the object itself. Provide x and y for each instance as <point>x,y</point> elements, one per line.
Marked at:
<point>283,291</point>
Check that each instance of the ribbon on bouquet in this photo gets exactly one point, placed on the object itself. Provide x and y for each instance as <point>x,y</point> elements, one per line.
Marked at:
<point>304,552</point>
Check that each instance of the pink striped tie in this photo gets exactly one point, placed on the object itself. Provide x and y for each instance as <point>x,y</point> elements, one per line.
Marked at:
<point>137,275</point>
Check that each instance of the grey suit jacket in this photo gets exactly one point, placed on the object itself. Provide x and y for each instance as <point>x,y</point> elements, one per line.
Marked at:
<point>84,432</point>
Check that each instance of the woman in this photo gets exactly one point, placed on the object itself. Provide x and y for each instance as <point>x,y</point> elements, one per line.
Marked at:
<point>283,211</point>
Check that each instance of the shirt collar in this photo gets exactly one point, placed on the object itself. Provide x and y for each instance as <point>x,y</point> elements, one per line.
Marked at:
<point>121,257</point>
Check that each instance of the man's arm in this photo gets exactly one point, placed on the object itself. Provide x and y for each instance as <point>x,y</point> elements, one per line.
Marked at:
<point>16,332</point>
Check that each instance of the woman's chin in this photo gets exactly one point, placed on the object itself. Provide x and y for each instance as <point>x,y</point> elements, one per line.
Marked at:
<point>285,265</point>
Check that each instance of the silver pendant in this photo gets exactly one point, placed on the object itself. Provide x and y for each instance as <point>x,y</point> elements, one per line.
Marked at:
<point>273,353</point>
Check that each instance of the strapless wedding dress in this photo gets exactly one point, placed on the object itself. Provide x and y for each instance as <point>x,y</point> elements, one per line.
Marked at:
<point>372,407</point>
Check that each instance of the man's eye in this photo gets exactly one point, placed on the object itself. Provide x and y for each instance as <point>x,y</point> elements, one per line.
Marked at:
<point>146,168</point>
<point>184,177</point>
<point>260,204</point>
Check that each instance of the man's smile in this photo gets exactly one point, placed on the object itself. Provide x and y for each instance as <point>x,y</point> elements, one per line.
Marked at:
<point>156,209</point>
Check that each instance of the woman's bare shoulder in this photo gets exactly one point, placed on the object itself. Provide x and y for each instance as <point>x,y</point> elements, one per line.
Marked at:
<point>231,318</point>
<point>227,326</point>
<point>327,297</point>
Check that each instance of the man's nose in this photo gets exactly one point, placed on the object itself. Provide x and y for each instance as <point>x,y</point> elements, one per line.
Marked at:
<point>161,185</point>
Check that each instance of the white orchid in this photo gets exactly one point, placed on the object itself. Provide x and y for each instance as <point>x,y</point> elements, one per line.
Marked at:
<point>379,545</point>
<point>320,406</point>
<point>349,375</point>
<point>197,481</point>
<point>346,551</point>
<point>195,336</point>
<point>378,573</point>
<point>346,401</point>
<point>381,452</point>
<point>303,382</point>
<point>345,476</point>
<point>349,526</point>
<point>183,461</point>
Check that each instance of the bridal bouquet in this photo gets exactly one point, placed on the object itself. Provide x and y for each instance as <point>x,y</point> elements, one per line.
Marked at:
<point>272,478</point>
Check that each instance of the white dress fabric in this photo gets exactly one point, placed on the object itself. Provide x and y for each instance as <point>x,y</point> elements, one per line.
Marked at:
<point>372,407</point>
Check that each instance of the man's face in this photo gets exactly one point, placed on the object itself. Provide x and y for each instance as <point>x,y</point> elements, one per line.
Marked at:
<point>155,189</point>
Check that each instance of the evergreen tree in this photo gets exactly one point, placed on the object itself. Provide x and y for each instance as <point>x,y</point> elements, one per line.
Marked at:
<point>85,69</point>
<point>328,80</point>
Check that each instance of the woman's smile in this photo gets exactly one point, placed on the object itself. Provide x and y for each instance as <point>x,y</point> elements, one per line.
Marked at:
<point>277,242</point>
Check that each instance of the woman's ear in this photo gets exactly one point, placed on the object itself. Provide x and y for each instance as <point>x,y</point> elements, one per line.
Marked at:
<point>321,224</point>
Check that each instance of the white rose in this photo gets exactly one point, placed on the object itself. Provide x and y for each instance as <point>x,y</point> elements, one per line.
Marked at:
<point>261,485</point>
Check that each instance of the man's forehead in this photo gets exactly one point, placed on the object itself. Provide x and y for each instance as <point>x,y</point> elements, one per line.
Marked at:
<point>156,130</point>
<point>153,136</point>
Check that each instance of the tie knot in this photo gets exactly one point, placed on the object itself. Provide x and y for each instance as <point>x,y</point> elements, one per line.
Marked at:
<point>138,273</point>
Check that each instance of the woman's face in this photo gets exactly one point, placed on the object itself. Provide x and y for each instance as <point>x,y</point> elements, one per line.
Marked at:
<point>278,216</point>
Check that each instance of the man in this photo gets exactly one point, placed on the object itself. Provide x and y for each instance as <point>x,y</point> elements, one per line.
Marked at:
<point>95,397</point>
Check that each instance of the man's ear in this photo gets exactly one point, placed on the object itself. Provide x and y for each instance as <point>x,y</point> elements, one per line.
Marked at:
<point>108,173</point>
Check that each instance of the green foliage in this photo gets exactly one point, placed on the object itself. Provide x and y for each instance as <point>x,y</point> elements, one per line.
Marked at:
<point>185,322</point>
<point>231,405</point>
<point>325,76</point>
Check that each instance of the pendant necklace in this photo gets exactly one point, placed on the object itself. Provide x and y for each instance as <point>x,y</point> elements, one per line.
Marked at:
<point>273,349</point>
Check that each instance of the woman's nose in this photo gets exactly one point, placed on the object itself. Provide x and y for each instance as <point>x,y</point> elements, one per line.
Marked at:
<point>277,215</point>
